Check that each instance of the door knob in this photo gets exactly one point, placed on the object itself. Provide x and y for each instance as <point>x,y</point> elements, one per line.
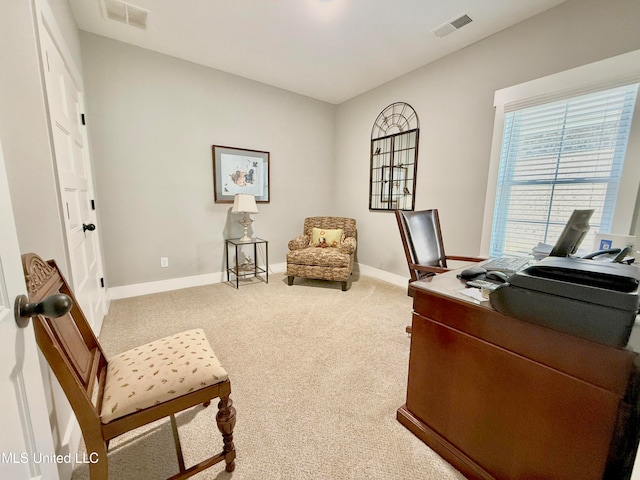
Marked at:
<point>53,306</point>
<point>91,227</point>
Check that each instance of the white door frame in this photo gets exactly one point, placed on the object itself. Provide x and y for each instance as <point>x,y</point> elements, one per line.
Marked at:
<point>47,26</point>
<point>74,174</point>
<point>47,30</point>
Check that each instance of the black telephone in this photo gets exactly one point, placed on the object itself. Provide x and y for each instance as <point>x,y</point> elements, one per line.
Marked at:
<point>621,255</point>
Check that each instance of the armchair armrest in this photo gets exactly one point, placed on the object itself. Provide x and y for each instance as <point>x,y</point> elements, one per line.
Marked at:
<point>301,241</point>
<point>349,245</point>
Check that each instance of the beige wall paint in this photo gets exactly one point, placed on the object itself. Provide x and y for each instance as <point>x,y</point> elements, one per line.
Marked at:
<point>152,122</point>
<point>454,100</point>
<point>152,119</point>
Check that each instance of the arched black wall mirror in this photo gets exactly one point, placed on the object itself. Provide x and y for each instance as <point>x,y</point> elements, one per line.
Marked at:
<point>394,158</point>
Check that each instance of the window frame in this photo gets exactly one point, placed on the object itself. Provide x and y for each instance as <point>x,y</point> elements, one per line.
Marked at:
<point>616,71</point>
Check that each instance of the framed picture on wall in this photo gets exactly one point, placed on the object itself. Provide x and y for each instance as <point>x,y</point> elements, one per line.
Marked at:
<point>239,170</point>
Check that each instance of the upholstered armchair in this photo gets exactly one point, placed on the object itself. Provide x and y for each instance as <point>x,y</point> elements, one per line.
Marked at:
<point>325,250</point>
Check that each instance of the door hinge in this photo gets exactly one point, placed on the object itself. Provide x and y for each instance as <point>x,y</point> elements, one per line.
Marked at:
<point>82,118</point>
<point>102,282</point>
<point>93,204</point>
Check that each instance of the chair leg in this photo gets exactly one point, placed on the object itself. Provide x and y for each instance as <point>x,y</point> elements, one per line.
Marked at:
<point>290,279</point>
<point>345,284</point>
<point>176,441</point>
<point>98,470</point>
<point>226,419</point>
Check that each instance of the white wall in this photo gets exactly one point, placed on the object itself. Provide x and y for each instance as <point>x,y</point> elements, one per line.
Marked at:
<point>152,120</point>
<point>454,101</point>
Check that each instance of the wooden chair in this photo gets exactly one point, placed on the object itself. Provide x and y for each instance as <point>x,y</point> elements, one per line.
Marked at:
<point>423,246</point>
<point>132,389</point>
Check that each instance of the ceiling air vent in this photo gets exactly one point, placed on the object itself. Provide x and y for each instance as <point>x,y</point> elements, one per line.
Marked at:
<point>450,27</point>
<point>126,13</point>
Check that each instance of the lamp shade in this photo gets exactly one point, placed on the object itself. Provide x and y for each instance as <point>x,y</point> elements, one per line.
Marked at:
<point>243,203</point>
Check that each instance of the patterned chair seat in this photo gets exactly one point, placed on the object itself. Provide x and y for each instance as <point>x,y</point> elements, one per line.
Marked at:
<point>320,257</point>
<point>159,371</point>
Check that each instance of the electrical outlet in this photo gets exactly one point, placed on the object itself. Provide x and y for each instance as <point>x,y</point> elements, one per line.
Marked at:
<point>164,262</point>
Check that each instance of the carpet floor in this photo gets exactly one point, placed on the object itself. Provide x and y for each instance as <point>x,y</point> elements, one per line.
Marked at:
<point>317,375</point>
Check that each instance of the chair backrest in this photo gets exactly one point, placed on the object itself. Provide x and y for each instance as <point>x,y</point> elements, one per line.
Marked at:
<point>348,225</point>
<point>68,342</point>
<point>421,238</point>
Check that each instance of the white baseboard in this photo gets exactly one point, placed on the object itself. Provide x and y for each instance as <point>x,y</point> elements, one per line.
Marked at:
<point>97,325</point>
<point>148,288</point>
<point>138,289</point>
<point>388,277</point>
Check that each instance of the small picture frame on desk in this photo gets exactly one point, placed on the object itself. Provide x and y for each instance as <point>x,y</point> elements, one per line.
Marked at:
<point>237,170</point>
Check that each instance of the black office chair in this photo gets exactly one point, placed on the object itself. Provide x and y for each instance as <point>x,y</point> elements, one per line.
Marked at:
<point>423,246</point>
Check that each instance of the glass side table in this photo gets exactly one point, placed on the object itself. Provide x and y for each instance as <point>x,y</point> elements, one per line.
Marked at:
<point>247,269</point>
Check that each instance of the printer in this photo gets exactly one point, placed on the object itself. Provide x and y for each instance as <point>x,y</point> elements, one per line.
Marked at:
<point>587,298</point>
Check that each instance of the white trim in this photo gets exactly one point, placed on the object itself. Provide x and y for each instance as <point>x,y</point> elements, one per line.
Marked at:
<point>138,289</point>
<point>278,268</point>
<point>97,326</point>
<point>148,288</point>
<point>612,72</point>
<point>618,70</point>
<point>399,280</point>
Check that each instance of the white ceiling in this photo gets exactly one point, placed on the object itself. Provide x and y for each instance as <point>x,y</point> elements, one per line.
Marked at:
<point>331,50</point>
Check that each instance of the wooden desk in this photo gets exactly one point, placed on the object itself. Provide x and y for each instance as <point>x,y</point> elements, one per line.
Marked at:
<point>500,398</point>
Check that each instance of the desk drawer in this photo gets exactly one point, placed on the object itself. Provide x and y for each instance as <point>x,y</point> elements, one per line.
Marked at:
<point>597,364</point>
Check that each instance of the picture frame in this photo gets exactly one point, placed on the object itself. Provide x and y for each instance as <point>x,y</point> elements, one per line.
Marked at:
<point>240,170</point>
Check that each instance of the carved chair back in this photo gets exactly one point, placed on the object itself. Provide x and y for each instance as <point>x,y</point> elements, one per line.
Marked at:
<point>68,342</point>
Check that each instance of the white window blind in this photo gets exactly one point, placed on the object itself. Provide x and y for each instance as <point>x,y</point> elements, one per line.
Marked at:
<point>557,157</point>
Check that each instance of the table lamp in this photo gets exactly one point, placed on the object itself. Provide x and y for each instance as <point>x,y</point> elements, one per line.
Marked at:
<point>243,203</point>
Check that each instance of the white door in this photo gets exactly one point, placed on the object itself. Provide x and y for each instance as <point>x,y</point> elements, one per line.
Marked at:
<point>66,111</point>
<point>26,435</point>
